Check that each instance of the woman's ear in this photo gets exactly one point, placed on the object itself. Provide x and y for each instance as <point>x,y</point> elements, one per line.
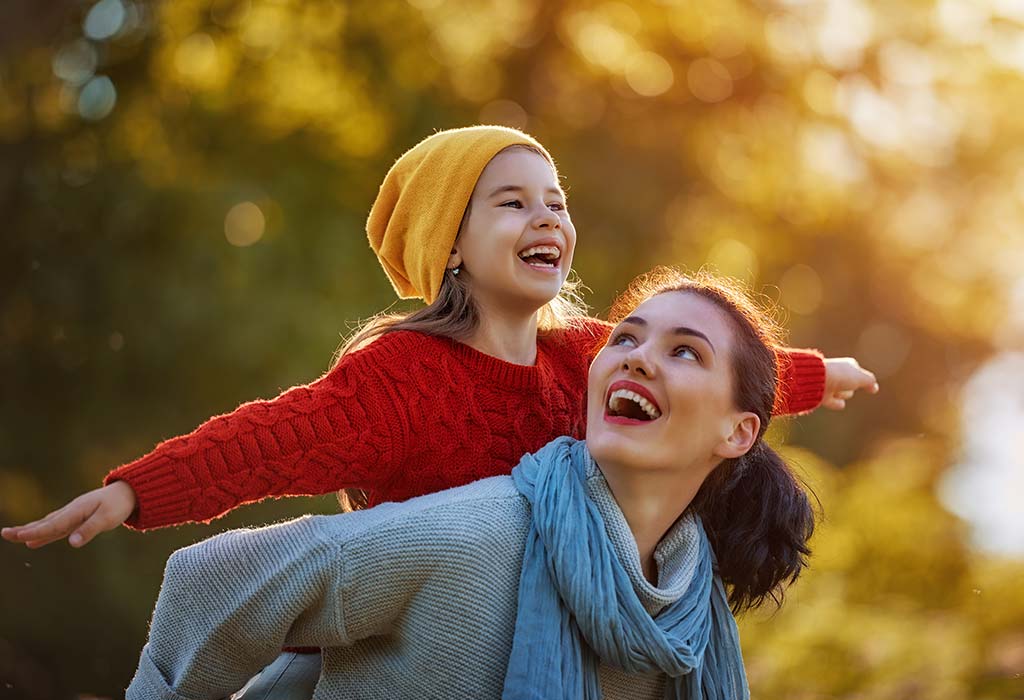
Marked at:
<point>454,259</point>
<point>737,443</point>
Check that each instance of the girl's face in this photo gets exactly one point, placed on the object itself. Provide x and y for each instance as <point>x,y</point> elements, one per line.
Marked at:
<point>660,392</point>
<point>517,244</point>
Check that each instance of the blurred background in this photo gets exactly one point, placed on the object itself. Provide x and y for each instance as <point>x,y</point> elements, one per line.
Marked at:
<point>183,188</point>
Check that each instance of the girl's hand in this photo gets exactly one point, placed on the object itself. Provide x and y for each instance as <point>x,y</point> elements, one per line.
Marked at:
<point>843,377</point>
<point>83,518</point>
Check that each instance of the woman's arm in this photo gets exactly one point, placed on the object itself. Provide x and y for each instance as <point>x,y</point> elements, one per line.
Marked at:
<point>228,605</point>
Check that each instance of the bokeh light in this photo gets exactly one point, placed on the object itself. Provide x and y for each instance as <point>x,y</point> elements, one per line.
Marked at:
<point>76,62</point>
<point>244,224</point>
<point>105,19</point>
<point>801,289</point>
<point>97,98</point>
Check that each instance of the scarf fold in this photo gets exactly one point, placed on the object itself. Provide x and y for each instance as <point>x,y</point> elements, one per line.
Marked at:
<point>578,609</point>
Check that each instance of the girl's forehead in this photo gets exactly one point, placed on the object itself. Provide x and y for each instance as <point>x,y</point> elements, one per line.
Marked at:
<point>519,164</point>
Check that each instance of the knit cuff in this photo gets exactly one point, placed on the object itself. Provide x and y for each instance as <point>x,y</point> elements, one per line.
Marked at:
<point>801,381</point>
<point>149,683</point>
<point>159,495</point>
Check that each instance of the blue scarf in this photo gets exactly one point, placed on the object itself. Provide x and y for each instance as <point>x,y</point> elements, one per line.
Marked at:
<point>577,606</point>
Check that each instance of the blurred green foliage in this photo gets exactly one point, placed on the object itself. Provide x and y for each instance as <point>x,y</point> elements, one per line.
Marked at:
<point>184,186</point>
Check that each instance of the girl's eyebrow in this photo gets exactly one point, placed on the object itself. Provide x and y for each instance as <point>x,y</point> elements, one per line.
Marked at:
<point>517,188</point>
<point>680,330</point>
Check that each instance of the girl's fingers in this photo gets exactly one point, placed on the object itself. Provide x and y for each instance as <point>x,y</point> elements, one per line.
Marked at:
<point>867,381</point>
<point>88,530</point>
<point>848,394</point>
<point>36,544</point>
<point>16,533</point>
<point>55,526</point>
<point>833,403</point>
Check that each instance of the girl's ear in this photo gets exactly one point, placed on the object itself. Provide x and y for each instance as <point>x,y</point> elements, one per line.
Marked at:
<point>737,443</point>
<point>454,260</point>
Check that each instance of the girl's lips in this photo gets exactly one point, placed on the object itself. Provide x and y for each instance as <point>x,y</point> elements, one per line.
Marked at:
<point>544,269</point>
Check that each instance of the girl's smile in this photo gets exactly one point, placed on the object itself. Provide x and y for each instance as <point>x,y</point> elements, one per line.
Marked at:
<point>544,255</point>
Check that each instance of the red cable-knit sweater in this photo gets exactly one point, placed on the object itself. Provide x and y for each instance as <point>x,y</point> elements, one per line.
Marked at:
<point>407,415</point>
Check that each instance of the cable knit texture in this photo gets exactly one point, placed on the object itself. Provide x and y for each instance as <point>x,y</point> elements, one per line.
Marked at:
<point>412,600</point>
<point>407,415</point>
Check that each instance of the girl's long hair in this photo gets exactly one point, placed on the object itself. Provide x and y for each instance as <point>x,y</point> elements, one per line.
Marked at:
<point>757,514</point>
<point>454,315</point>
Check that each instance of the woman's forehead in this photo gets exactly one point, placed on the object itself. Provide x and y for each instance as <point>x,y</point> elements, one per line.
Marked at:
<point>674,309</point>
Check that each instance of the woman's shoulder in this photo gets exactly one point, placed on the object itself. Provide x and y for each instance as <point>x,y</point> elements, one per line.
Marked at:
<point>478,512</point>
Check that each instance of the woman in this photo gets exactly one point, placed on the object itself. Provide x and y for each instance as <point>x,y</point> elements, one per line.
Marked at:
<point>597,567</point>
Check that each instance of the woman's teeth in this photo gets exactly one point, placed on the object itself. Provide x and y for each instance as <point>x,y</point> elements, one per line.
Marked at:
<point>617,405</point>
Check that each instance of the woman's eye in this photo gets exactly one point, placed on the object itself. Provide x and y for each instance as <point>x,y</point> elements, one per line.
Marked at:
<point>687,353</point>
<point>623,339</point>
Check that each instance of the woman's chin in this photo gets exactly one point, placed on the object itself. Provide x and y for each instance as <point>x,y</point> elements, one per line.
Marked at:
<point>607,449</point>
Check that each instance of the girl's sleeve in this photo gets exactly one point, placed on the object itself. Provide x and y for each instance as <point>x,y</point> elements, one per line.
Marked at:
<point>227,605</point>
<point>801,381</point>
<point>344,430</point>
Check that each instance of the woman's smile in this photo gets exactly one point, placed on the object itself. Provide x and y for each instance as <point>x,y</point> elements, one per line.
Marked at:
<point>630,403</point>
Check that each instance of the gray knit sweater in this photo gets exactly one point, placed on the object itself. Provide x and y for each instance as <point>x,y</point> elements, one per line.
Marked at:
<point>410,600</point>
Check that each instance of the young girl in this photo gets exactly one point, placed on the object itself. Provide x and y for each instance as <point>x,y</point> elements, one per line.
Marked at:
<point>473,221</point>
<point>603,568</point>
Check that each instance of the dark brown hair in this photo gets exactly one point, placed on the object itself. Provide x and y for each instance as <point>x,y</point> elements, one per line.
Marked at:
<point>756,513</point>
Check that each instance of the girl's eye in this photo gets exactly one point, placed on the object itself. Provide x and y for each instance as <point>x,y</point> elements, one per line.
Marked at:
<point>623,339</point>
<point>687,353</point>
<point>514,203</point>
<point>556,206</point>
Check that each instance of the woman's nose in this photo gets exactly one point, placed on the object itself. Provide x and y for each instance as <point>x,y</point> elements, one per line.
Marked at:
<point>636,363</point>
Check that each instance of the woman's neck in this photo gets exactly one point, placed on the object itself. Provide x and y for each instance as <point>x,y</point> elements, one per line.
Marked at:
<point>508,337</point>
<point>652,501</point>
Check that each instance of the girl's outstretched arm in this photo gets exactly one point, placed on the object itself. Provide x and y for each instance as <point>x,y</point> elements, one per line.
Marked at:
<point>347,429</point>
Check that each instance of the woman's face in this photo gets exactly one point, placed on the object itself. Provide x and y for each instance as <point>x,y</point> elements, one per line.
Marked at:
<point>517,244</point>
<point>660,394</point>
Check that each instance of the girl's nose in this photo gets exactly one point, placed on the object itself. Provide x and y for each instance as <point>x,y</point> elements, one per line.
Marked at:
<point>546,218</point>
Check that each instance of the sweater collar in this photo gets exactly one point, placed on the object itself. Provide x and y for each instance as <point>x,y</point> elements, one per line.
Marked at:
<point>676,554</point>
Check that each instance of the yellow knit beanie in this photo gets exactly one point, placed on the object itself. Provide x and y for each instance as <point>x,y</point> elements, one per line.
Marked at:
<point>416,216</point>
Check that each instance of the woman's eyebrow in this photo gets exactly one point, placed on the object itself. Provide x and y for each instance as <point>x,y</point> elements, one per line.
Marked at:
<point>684,330</point>
<point>680,330</point>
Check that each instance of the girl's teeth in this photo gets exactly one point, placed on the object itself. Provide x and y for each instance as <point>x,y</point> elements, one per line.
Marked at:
<point>541,250</point>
